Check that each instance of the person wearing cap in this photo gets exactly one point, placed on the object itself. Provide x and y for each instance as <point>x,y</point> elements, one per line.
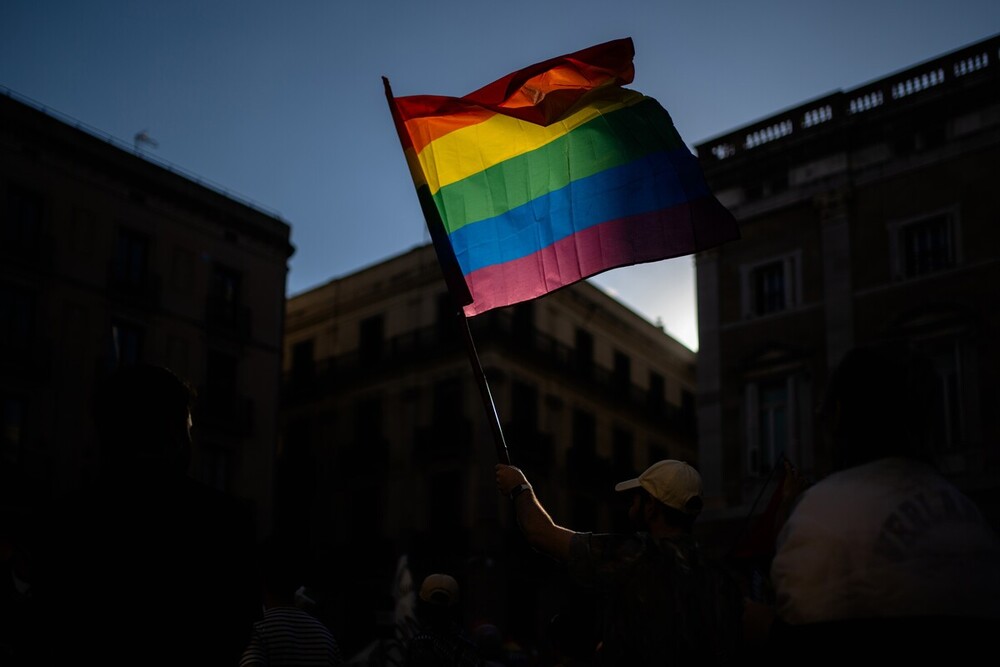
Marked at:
<point>440,639</point>
<point>666,601</point>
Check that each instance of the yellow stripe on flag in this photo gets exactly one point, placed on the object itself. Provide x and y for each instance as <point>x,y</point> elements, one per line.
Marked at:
<point>478,147</point>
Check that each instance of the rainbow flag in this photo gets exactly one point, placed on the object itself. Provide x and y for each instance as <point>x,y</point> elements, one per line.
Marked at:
<point>552,174</point>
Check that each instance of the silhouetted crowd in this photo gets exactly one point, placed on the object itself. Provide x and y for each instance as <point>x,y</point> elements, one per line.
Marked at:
<point>883,559</point>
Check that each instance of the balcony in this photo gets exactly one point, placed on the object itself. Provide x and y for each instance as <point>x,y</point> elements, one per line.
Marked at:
<point>542,351</point>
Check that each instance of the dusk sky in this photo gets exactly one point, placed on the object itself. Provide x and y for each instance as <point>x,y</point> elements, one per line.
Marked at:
<point>281,103</point>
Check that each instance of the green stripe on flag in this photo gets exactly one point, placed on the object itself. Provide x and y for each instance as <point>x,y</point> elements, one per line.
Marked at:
<point>605,142</point>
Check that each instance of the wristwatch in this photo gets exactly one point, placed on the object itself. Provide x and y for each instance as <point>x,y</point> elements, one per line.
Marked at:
<point>518,490</point>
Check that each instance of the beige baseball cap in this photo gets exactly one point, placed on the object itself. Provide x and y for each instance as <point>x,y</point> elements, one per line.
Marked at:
<point>673,483</point>
<point>439,589</point>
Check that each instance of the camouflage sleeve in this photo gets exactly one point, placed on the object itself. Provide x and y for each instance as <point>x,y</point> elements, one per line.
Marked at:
<point>596,558</point>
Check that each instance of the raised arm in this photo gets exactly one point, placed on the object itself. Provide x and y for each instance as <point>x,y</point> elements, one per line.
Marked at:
<point>538,528</point>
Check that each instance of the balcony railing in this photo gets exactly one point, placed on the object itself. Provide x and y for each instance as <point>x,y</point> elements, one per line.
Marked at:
<point>492,328</point>
<point>948,71</point>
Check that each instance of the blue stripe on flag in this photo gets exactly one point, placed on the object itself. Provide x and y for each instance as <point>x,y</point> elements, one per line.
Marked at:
<point>655,181</point>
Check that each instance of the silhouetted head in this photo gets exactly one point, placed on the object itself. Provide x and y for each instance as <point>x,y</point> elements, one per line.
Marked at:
<point>668,490</point>
<point>880,402</point>
<point>143,418</point>
<point>437,602</point>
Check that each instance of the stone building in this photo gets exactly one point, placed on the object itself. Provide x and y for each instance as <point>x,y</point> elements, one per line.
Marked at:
<point>867,214</point>
<point>387,448</point>
<point>108,256</point>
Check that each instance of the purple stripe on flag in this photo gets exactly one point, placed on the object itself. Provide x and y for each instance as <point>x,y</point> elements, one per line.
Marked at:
<point>672,232</point>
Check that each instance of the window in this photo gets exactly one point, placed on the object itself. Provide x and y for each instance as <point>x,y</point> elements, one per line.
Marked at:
<point>22,225</point>
<point>657,390</point>
<point>17,314</point>
<point>449,407</point>
<point>768,424</point>
<point>302,360</point>
<point>11,425</point>
<point>524,407</point>
<point>179,355</point>
<point>225,313</point>
<point>687,402</point>
<point>771,286</point>
<point>220,372</point>
<point>221,383</point>
<point>584,351</point>
<point>448,320</point>
<point>182,270</point>
<point>368,422</point>
<point>584,434</point>
<point>75,348</point>
<point>224,293</point>
<point>657,387</point>
<point>83,231</point>
<point>949,418</point>
<point>130,261</point>
<point>924,246</point>
<point>371,336</point>
<point>214,465</point>
<point>622,374</point>
<point>622,453</point>
<point>127,343</point>
<point>523,325</point>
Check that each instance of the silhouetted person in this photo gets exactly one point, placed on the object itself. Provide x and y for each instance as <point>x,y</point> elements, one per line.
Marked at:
<point>287,635</point>
<point>885,557</point>
<point>666,602</point>
<point>146,565</point>
<point>440,639</point>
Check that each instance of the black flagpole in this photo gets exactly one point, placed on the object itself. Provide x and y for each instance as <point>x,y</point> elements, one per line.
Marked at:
<point>455,282</point>
<point>484,390</point>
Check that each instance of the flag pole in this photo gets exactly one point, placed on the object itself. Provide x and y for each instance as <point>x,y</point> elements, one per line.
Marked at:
<point>484,390</point>
<point>455,282</point>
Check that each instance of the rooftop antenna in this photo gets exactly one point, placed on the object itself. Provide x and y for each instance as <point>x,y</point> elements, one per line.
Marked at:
<point>143,138</point>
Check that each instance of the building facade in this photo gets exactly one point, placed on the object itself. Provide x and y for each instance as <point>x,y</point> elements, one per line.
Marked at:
<point>867,214</point>
<point>386,440</point>
<point>109,257</point>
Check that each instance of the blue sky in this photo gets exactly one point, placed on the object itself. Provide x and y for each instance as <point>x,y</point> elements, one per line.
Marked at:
<point>282,102</point>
